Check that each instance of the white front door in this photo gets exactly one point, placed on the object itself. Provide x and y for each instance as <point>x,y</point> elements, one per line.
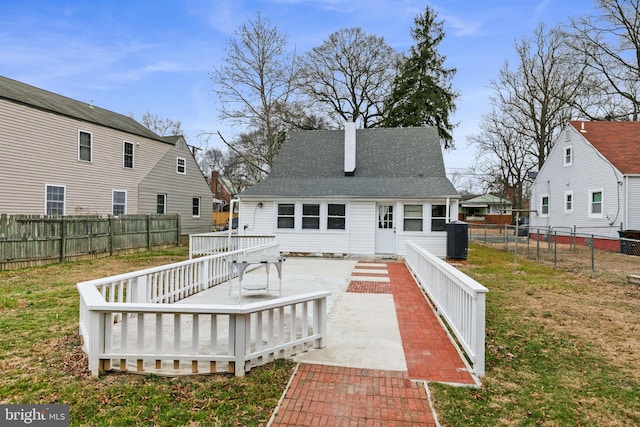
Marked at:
<point>385,229</point>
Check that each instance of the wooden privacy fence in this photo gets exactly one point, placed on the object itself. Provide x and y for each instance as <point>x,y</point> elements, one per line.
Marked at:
<point>28,240</point>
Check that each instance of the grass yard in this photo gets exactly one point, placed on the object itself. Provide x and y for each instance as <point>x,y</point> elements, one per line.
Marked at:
<point>562,350</point>
<point>41,360</point>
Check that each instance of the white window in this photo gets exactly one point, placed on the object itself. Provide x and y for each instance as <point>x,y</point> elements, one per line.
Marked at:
<point>311,216</point>
<point>195,207</point>
<point>568,156</point>
<point>85,146</point>
<point>127,155</point>
<point>181,166</point>
<point>119,202</point>
<point>438,217</point>
<point>596,199</point>
<point>161,203</point>
<point>286,215</point>
<point>544,205</point>
<point>54,199</point>
<point>568,201</point>
<point>412,218</point>
<point>336,216</point>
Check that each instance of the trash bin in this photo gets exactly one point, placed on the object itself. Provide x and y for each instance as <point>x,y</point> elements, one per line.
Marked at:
<point>523,227</point>
<point>630,247</point>
<point>457,239</point>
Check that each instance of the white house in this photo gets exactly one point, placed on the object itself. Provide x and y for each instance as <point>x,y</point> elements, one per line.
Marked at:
<point>66,157</point>
<point>354,192</point>
<point>591,180</point>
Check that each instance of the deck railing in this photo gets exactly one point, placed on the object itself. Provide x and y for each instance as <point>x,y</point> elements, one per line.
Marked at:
<point>133,321</point>
<point>217,242</point>
<point>459,299</point>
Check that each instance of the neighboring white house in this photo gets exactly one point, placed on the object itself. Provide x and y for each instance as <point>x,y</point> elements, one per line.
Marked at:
<point>66,157</point>
<point>591,180</point>
<point>478,207</point>
<point>354,192</point>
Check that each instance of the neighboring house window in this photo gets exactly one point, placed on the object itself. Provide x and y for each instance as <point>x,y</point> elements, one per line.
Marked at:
<point>181,166</point>
<point>568,201</point>
<point>119,205</point>
<point>54,199</point>
<point>412,217</point>
<point>568,156</point>
<point>161,203</point>
<point>438,217</point>
<point>544,205</point>
<point>84,146</point>
<point>195,207</point>
<point>127,155</point>
<point>286,215</point>
<point>311,217</point>
<point>595,205</point>
<point>336,217</point>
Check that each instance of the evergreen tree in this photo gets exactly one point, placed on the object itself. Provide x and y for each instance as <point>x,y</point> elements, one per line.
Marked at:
<point>422,94</point>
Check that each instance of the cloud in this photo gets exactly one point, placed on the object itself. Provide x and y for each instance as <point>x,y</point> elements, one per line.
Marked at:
<point>461,27</point>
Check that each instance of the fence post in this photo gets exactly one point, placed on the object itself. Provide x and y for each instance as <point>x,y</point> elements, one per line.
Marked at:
<point>320,321</point>
<point>111,235</point>
<point>149,232</point>
<point>479,333</point>
<point>593,256</point>
<point>179,243</point>
<point>506,238</point>
<point>555,248</point>
<point>239,331</point>
<point>63,240</point>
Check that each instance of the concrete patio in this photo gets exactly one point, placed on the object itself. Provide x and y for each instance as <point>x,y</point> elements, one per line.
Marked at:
<point>362,328</point>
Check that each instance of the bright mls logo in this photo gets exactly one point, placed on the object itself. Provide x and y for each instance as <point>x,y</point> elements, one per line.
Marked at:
<point>34,415</point>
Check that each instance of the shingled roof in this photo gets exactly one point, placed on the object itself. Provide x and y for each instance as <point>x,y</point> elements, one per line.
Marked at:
<point>390,163</point>
<point>34,97</point>
<point>618,142</point>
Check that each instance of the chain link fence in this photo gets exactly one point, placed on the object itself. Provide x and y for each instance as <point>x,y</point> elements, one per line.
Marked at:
<point>615,259</point>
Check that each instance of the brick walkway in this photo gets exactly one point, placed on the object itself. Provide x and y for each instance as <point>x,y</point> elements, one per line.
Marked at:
<point>321,395</point>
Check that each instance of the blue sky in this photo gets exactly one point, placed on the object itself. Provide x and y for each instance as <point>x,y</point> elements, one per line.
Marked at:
<point>134,56</point>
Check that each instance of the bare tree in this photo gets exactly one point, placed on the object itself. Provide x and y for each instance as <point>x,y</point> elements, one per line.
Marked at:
<point>539,95</point>
<point>506,157</point>
<point>159,126</point>
<point>349,76</point>
<point>610,43</point>
<point>255,88</point>
<point>529,107</point>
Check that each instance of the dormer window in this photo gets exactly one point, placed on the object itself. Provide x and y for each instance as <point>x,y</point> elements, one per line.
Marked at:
<point>568,156</point>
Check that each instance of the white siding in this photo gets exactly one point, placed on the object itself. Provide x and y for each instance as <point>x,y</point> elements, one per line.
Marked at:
<point>357,239</point>
<point>362,229</point>
<point>632,221</point>
<point>259,221</point>
<point>180,189</point>
<point>588,171</point>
